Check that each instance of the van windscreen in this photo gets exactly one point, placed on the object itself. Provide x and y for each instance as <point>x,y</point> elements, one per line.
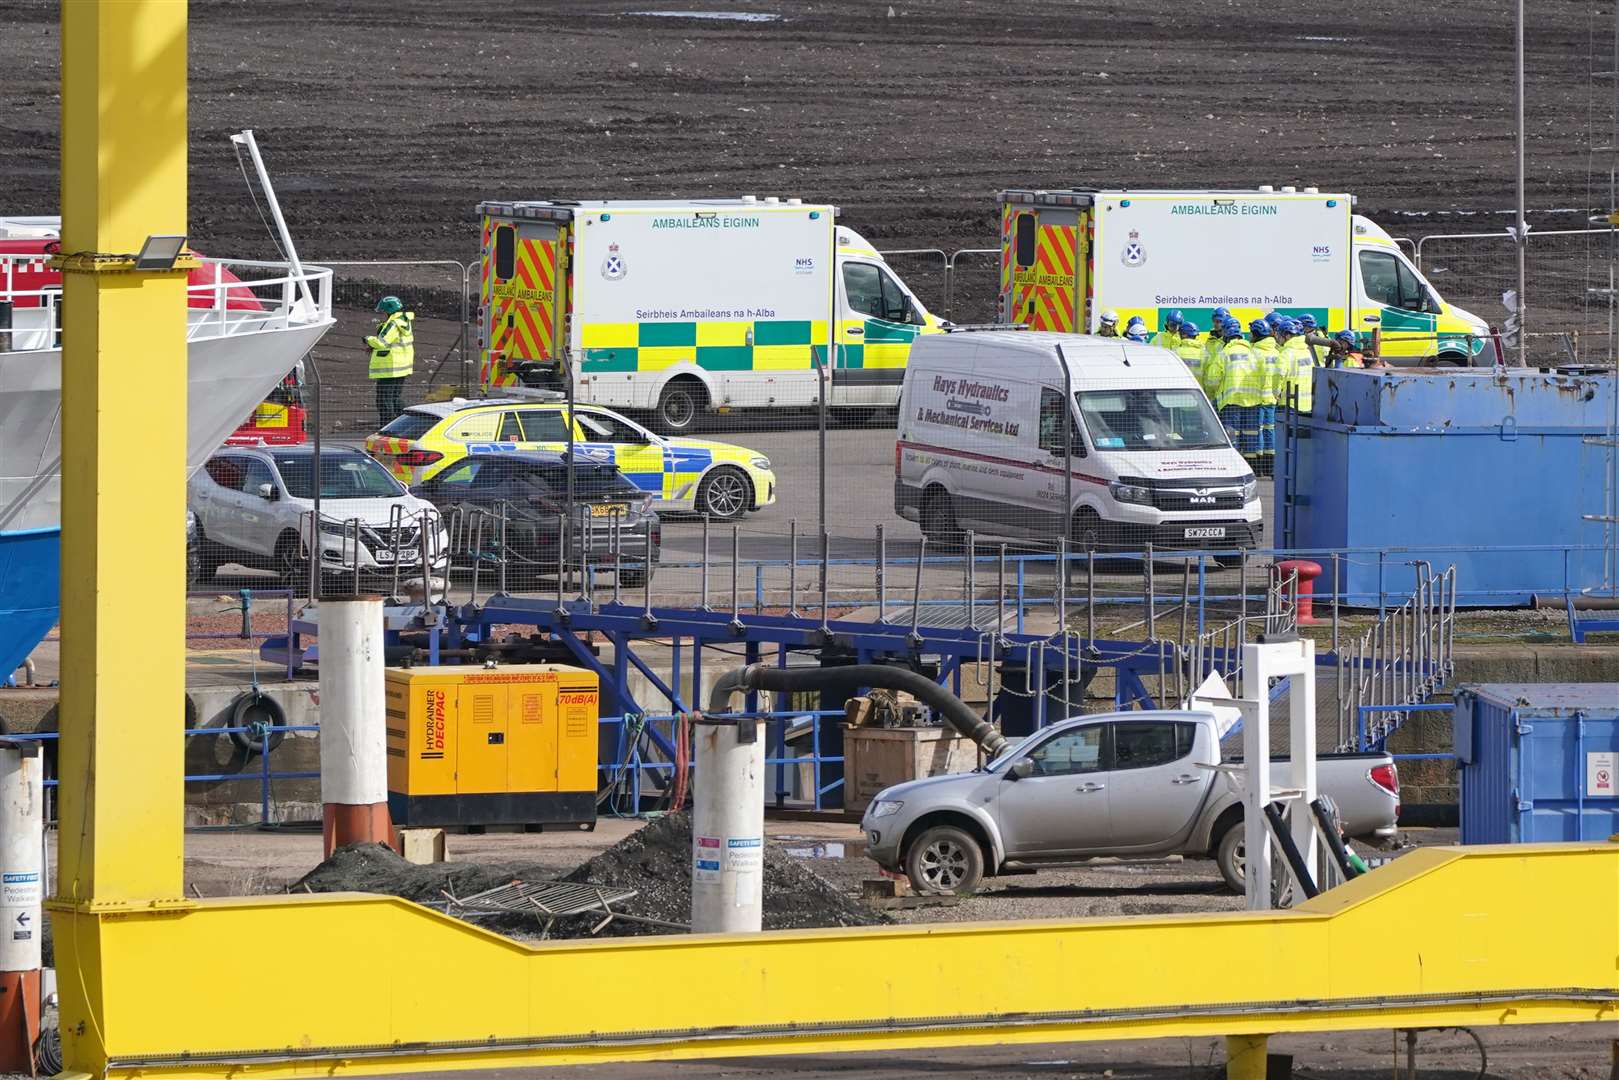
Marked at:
<point>1150,419</point>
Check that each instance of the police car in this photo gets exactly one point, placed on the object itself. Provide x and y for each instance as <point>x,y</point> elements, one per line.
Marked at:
<point>717,479</point>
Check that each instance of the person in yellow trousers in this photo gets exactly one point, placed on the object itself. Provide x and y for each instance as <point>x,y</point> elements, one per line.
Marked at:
<point>1241,389</point>
<point>393,357</point>
<point>1270,364</point>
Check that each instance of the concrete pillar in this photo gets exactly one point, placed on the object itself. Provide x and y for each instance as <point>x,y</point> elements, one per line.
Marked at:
<point>1246,1057</point>
<point>727,828</point>
<point>353,724</point>
<point>22,840</point>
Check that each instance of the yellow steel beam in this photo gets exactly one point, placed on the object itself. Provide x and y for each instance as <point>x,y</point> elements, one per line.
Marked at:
<point>123,486</point>
<point>366,985</point>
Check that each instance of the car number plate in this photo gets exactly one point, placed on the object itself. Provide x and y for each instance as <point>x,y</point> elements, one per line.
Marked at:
<point>605,510</point>
<point>1206,532</point>
<point>385,555</point>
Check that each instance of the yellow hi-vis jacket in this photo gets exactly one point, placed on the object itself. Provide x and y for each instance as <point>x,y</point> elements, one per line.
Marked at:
<point>393,346</point>
<point>1298,368</point>
<point>1270,361</point>
<point>1244,378</point>
<point>1190,350</point>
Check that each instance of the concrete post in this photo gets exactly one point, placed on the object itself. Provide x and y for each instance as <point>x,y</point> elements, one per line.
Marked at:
<point>22,839</point>
<point>727,828</point>
<point>353,735</point>
<point>1246,1057</point>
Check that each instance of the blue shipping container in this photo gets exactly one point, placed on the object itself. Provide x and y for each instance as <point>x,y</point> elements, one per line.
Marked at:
<point>1538,761</point>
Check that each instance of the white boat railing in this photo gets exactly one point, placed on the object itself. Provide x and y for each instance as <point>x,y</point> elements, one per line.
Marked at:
<point>258,296</point>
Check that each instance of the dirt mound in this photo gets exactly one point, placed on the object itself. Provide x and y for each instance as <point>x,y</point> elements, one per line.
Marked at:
<point>656,861</point>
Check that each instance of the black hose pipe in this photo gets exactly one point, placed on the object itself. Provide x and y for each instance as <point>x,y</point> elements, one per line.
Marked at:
<point>1329,828</point>
<point>879,676</point>
<point>1284,837</point>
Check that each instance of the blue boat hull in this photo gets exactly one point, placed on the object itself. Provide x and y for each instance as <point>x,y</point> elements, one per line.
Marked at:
<point>30,592</point>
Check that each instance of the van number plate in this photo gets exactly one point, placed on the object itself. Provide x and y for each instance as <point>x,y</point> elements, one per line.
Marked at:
<point>1207,532</point>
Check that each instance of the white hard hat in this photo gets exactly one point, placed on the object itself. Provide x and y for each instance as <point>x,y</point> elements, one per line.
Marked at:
<point>1110,316</point>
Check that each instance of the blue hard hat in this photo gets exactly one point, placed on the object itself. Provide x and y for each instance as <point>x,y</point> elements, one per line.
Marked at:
<point>1135,321</point>
<point>1308,321</point>
<point>1286,325</point>
<point>1172,320</point>
<point>1229,323</point>
<point>1273,317</point>
<point>1345,335</point>
<point>1188,328</point>
<point>1259,328</point>
<point>1221,313</point>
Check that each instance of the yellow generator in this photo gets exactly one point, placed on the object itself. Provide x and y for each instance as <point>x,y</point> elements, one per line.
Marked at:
<point>472,745</point>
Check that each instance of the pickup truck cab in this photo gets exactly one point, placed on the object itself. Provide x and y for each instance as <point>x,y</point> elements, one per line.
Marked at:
<point>1134,784</point>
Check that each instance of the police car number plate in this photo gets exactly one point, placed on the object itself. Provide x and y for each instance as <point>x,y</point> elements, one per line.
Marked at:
<point>1206,532</point>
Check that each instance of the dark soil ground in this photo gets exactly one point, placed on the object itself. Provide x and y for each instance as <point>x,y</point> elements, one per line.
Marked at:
<point>385,124</point>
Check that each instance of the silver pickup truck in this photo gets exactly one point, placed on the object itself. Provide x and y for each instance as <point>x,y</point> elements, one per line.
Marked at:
<point>1123,784</point>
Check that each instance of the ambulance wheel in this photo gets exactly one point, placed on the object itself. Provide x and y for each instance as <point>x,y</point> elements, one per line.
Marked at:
<point>939,520</point>
<point>679,404</point>
<point>725,494</point>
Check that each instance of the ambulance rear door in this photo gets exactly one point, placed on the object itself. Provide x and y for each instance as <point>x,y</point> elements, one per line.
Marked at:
<point>1043,266</point>
<point>524,301</point>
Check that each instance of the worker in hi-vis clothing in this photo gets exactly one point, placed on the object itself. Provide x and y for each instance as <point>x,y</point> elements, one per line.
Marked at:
<point>393,357</point>
<point>1270,363</point>
<point>1190,350</point>
<point>1241,390</point>
<point>1109,324</point>
<point>1297,367</point>
<point>1214,342</point>
<point>1136,330</point>
<point>1169,335</point>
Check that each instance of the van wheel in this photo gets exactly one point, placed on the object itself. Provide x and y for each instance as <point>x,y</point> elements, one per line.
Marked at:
<point>939,520</point>
<point>944,860</point>
<point>1451,360</point>
<point>1086,532</point>
<point>679,404</point>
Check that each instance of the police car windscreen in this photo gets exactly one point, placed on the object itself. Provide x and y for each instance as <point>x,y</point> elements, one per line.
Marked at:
<point>590,482</point>
<point>1150,419</point>
<point>345,476</point>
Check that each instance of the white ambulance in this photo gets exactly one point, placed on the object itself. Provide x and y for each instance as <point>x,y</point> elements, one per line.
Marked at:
<point>674,308</point>
<point>981,446</point>
<point>1068,256</point>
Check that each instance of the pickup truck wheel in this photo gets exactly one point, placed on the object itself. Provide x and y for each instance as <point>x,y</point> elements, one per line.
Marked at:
<point>943,860</point>
<point>1230,857</point>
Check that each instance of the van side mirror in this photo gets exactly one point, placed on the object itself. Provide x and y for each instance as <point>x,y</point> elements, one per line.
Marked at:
<point>1021,769</point>
<point>267,492</point>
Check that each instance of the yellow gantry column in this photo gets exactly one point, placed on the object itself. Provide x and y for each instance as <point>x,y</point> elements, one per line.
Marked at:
<point>123,490</point>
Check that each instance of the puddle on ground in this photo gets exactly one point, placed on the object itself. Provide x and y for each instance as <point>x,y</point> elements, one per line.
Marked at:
<point>829,850</point>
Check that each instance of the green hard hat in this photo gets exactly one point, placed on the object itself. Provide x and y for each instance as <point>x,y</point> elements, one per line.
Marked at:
<point>390,304</point>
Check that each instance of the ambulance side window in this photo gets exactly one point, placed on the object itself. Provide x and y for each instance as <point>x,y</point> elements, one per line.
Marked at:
<point>505,253</point>
<point>1379,278</point>
<point>863,284</point>
<point>1023,241</point>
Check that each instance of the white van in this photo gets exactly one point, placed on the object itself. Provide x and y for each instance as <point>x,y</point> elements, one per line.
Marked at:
<point>981,446</point>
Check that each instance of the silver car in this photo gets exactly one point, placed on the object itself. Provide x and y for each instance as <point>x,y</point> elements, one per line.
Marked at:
<point>1132,783</point>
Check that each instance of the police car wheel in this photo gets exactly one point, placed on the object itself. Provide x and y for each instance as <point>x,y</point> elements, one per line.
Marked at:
<point>724,495</point>
<point>678,406</point>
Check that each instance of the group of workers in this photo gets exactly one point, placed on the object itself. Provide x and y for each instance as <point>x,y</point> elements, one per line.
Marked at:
<point>1247,375</point>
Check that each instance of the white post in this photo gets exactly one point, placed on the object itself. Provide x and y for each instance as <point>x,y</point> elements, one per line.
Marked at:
<point>1302,754</point>
<point>22,844</point>
<point>1256,790</point>
<point>353,726</point>
<point>727,828</point>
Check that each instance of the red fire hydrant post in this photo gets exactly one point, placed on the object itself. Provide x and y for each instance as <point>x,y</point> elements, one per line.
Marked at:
<point>1308,572</point>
